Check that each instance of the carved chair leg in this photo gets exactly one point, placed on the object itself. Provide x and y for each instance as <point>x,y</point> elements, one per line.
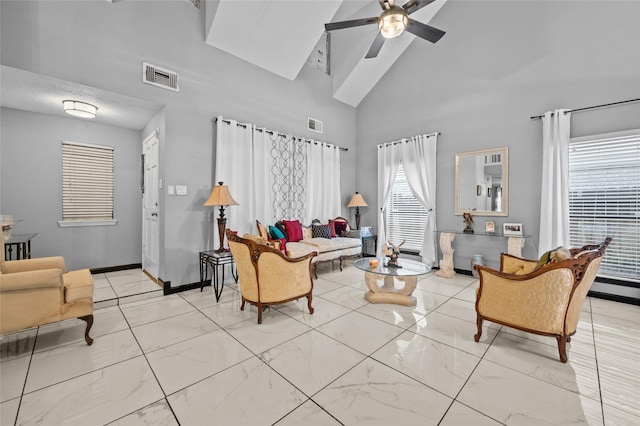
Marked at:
<point>315,270</point>
<point>341,258</point>
<point>479,334</point>
<point>259,313</point>
<point>562,348</point>
<point>242,306</point>
<point>568,338</point>
<point>89,320</point>
<point>309,297</point>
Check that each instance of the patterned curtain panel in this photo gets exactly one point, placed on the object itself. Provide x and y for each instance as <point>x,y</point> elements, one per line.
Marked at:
<point>288,173</point>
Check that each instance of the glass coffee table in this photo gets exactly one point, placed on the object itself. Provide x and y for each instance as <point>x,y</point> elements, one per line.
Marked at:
<point>408,273</point>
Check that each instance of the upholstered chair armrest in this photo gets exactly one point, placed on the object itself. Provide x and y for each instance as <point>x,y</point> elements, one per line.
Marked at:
<point>13,266</point>
<point>282,278</point>
<point>31,280</point>
<point>535,301</point>
<point>516,265</point>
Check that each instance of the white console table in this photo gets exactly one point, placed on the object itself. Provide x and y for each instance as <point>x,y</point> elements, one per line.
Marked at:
<point>515,243</point>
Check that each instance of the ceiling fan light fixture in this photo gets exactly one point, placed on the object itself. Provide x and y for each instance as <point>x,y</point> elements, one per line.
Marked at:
<point>393,22</point>
<point>79,109</point>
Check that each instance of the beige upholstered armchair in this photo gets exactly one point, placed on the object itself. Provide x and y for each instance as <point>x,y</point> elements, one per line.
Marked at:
<point>546,300</point>
<point>40,291</point>
<point>267,277</point>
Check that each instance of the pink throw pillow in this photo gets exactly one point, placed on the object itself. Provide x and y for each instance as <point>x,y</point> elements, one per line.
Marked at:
<point>294,230</point>
<point>332,226</point>
<point>341,227</point>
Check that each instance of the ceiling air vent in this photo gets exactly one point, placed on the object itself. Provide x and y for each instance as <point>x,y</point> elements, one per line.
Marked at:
<point>160,77</point>
<point>314,125</point>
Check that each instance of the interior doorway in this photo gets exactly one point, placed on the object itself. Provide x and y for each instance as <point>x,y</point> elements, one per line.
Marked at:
<point>150,210</point>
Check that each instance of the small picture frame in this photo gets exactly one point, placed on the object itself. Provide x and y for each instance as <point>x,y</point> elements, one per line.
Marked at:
<point>512,228</point>
<point>490,227</point>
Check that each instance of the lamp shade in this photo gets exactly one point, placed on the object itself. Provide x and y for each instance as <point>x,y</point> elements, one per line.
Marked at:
<point>220,196</point>
<point>79,109</point>
<point>357,200</point>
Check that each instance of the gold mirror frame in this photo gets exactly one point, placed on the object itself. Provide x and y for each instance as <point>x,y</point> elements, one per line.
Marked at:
<point>482,182</point>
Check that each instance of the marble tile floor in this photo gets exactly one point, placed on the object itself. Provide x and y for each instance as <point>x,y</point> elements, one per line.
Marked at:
<point>130,285</point>
<point>184,359</point>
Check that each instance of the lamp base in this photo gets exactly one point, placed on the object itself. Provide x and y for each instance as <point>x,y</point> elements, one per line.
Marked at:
<point>222,224</point>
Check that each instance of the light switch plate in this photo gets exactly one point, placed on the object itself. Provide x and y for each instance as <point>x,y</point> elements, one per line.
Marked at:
<point>171,190</point>
<point>181,190</point>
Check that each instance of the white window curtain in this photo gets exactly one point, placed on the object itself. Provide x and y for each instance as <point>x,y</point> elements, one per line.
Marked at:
<point>323,182</point>
<point>261,178</point>
<point>240,163</point>
<point>419,162</point>
<point>418,158</point>
<point>554,202</point>
<point>389,157</point>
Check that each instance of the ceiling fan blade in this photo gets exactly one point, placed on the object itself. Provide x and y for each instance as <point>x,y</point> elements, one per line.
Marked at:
<point>349,24</point>
<point>415,5</point>
<point>424,31</point>
<point>375,47</point>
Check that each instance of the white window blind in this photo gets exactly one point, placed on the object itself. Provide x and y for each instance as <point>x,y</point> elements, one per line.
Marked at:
<point>405,217</point>
<point>604,200</point>
<point>87,182</point>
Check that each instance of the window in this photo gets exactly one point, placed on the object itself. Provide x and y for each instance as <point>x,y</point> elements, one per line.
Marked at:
<point>405,217</point>
<point>87,184</point>
<point>604,199</point>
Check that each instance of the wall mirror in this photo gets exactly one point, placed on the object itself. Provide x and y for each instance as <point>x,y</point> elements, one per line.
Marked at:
<point>482,182</point>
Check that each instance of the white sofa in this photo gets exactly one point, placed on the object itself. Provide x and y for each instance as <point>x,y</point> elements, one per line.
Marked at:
<point>327,249</point>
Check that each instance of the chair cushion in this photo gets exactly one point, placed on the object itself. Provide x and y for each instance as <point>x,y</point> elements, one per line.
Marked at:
<point>77,285</point>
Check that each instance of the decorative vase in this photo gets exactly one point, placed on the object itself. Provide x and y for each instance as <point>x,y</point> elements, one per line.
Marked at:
<point>476,260</point>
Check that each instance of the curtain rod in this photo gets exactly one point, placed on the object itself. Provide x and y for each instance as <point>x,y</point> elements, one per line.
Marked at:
<point>406,139</point>
<point>538,117</point>
<point>272,132</point>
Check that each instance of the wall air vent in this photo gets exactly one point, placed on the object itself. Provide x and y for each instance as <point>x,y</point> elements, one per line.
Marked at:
<point>314,125</point>
<point>160,77</point>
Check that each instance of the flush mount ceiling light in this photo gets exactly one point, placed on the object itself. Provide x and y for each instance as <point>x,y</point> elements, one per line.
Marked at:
<point>80,109</point>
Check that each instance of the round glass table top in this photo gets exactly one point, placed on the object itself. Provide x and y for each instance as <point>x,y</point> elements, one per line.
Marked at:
<point>409,267</point>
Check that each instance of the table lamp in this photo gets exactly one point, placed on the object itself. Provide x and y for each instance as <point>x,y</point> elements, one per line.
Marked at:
<point>220,196</point>
<point>357,201</point>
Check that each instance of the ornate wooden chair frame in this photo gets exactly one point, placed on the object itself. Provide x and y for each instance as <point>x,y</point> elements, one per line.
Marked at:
<point>538,302</point>
<point>268,277</point>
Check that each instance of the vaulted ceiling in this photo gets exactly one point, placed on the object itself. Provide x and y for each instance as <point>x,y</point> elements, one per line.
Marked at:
<point>279,36</point>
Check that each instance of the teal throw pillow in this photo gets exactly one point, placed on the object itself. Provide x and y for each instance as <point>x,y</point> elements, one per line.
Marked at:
<point>275,233</point>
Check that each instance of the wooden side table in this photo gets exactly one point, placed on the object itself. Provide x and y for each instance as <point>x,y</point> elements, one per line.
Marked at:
<point>215,260</point>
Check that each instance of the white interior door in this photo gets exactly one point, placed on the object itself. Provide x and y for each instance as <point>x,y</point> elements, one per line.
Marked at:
<point>150,223</point>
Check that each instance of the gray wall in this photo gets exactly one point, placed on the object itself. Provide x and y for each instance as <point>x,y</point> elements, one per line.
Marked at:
<point>41,37</point>
<point>32,188</point>
<point>499,64</point>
